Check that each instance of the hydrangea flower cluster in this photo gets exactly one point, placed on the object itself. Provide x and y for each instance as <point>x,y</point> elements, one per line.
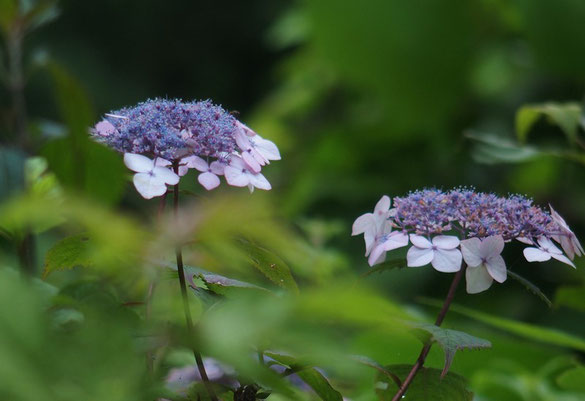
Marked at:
<point>446,228</point>
<point>159,133</point>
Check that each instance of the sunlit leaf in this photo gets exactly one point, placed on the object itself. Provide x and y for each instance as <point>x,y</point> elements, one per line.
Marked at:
<point>428,385</point>
<point>567,116</point>
<point>450,341</point>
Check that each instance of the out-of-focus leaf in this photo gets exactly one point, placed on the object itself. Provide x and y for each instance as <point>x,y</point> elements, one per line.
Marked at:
<point>38,13</point>
<point>8,14</point>
<point>491,149</point>
<point>572,297</point>
<point>311,376</point>
<point>573,379</point>
<point>271,266</point>
<point>373,364</point>
<point>12,176</point>
<point>222,285</point>
<point>450,341</point>
<point>530,287</point>
<point>567,116</point>
<point>537,333</point>
<point>68,253</point>
<point>387,265</point>
<point>428,385</point>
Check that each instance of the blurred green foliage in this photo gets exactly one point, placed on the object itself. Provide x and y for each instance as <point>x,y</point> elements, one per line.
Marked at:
<point>364,99</point>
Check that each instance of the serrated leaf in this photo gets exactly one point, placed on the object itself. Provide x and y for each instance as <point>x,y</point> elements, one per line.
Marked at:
<point>428,385</point>
<point>450,341</point>
<point>270,265</point>
<point>537,333</point>
<point>565,115</point>
<point>573,379</point>
<point>572,297</point>
<point>68,253</point>
<point>530,287</point>
<point>309,375</point>
<point>223,285</point>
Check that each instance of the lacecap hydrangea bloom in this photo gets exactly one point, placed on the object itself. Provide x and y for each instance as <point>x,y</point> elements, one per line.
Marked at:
<point>447,228</point>
<point>160,134</point>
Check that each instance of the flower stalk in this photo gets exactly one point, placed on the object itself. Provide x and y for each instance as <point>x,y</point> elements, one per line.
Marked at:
<point>187,310</point>
<point>427,347</point>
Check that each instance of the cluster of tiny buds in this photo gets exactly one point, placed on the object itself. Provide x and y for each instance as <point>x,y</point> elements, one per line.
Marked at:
<point>446,228</point>
<point>162,139</point>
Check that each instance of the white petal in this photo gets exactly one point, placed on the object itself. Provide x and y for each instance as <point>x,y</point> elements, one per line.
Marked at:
<point>493,245</point>
<point>166,175</point>
<point>195,162</point>
<point>362,223</point>
<point>251,162</point>
<point>377,256</point>
<point>447,260</point>
<point>525,240</point>
<point>477,279</point>
<point>160,162</point>
<point>395,240</point>
<point>382,206</point>
<point>470,249</point>
<point>496,267</point>
<point>148,185</point>
<point>138,163</point>
<point>420,241</point>
<point>245,129</point>
<point>536,255</point>
<point>105,128</point>
<point>243,141</point>
<point>562,258</point>
<point>549,246</point>
<point>208,180</point>
<point>217,168</point>
<point>266,148</point>
<point>235,177</point>
<point>260,182</point>
<point>183,170</point>
<point>418,256</point>
<point>446,241</point>
<point>370,239</point>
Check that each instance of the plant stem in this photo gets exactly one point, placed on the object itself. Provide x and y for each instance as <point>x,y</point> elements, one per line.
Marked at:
<point>427,347</point>
<point>181,272</point>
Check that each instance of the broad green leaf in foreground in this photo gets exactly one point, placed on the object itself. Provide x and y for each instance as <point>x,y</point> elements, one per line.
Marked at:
<point>533,332</point>
<point>311,376</point>
<point>68,253</point>
<point>567,116</point>
<point>428,385</point>
<point>573,379</point>
<point>450,341</point>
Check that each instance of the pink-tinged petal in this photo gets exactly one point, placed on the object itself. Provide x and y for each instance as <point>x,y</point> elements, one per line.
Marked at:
<point>362,223</point>
<point>195,162</point>
<point>138,163</point>
<point>377,256</point>
<point>105,128</point>
<point>266,148</point>
<point>245,129</point>
<point>260,182</point>
<point>148,185</point>
<point>471,250</point>
<point>237,162</point>
<point>477,279</point>
<point>392,212</point>
<point>243,141</point>
<point>251,162</point>
<point>419,256</point>
<point>166,175</point>
<point>160,162</point>
<point>183,170</point>
<point>525,240</point>
<point>447,260</point>
<point>370,239</point>
<point>235,177</point>
<point>563,258</point>
<point>259,157</point>
<point>493,245</point>
<point>566,244</point>
<point>536,255</point>
<point>446,241</point>
<point>382,207</point>
<point>496,267</point>
<point>208,180</point>
<point>217,168</point>
<point>420,241</point>
<point>395,240</point>
<point>548,246</point>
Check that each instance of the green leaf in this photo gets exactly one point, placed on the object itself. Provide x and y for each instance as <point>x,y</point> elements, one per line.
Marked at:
<point>491,149</point>
<point>68,253</point>
<point>572,297</point>
<point>530,287</point>
<point>565,115</point>
<point>8,14</point>
<point>373,364</point>
<point>225,286</point>
<point>270,265</point>
<point>533,332</point>
<point>309,375</point>
<point>428,385</point>
<point>12,172</point>
<point>450,341</point>
<point>573,379</point>
<point>387,265</point>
